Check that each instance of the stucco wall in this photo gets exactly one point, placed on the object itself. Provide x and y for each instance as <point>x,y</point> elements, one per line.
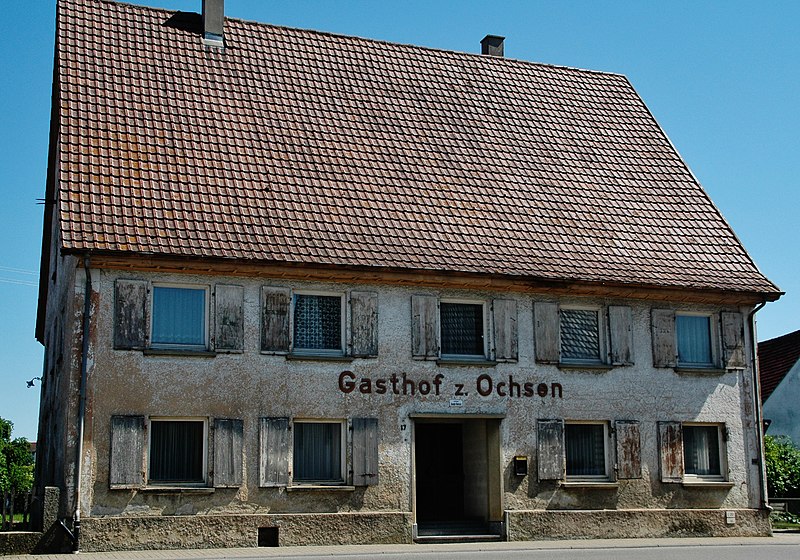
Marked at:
<point>781,406</point>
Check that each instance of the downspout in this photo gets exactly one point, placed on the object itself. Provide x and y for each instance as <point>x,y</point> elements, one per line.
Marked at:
<point>757,406</point>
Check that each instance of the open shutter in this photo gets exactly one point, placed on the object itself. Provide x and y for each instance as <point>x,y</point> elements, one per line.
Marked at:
<point>228,437</point>
<point>620,324</point>
<point>365,451</point>
<point>664,352</point>
<point>275,305</point>
<point>424,327</point>
<point>733,340</point>
<point>670,448</point>
<point>130,314</point>
<point>551,449</point>
<point>629,449</point>
<point>127,452</point>
<point>505,330</point>
<point>228,318</point>
<point>273,452</point>
<point>364,324</point>
<point>545,320</point>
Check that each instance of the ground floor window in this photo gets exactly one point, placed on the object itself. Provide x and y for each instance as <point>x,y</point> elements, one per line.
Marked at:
<point>177,451</point>
<point>318,452</point>
<point>702,454</point>
<point>585,449</point>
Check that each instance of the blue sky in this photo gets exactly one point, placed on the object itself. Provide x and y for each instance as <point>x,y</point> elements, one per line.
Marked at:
<point>722,79</point>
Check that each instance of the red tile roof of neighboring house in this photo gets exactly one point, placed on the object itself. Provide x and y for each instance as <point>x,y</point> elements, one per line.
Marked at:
<point>296,146</point>
<point>776,357</point>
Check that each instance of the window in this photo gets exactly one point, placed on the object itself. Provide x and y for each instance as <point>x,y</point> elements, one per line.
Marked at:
<point>462,329</point>
<point>318,452</point>
<point>318,324</point>
<point>580,335</point>
<point>179,317</point>
<point>177,451</point>
<point>585,450</point>
<point>694,335</point>
<point>702,452</point>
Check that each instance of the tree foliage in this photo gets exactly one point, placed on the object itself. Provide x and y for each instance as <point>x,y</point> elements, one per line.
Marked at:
<point>782,459</point>
<point>16,460</point>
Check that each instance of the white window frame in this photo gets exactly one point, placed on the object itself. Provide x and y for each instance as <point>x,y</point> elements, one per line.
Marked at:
<point>342,452</point>
<point>202,419</point>
<point>206,316</point>
<point>606,477</point>
<point>723,454</point>
<point>602,349</point>
<point>713,333</point>
<point>485,317</point>
<point>342,330</point>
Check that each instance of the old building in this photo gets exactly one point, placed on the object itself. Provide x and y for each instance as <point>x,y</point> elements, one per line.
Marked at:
<point>306,288</point>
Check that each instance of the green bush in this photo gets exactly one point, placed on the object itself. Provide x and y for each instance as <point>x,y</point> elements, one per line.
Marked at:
<point>782,460</point>
<point>16,461</point>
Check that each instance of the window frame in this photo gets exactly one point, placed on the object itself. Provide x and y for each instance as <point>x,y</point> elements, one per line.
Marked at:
<point>713,336</point>
<point>197,484</point>
<point>607,450</point>
<point>206,317</point>
<point>485,320</point>
<point>342,481</point>
<point>602,347</point>
<point>722,450</point>
<point>342,329</point>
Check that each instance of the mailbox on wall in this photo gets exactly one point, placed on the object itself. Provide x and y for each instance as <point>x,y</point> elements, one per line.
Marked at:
<point>521,465</point>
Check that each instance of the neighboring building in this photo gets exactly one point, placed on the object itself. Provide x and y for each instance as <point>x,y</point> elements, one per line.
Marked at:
<point>305,288</point>
<point>779,369</point>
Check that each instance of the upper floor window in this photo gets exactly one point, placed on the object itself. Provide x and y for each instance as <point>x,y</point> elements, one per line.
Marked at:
<point>318,323</point>
<point>462,329</point>
<point>179,317</point>
<point>580,335</point>
<point>693,334</point>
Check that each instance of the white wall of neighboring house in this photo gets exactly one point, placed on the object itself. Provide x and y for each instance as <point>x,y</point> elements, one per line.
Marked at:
<point>781,406</point>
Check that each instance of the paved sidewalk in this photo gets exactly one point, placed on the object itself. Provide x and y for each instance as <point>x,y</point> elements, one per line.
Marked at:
<point>787,539</point>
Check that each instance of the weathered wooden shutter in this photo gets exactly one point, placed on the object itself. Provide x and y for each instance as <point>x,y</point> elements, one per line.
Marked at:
<point>364,324</point>
<point>620,323</point>
<point>130,314</point>
<point>664,352</point>
<point>365,451</point>
<point>424,326</point>
<point>273,452</point>
<point>127,452</point>
<point>629,449</point>
<point>275,305</point>
<point>228,438</point>
<point>670,449</point>
<point>505,330</point>
<point>733,340</point>
<point>545,320</point>
<point>228,318</point>
<point>551,449</point>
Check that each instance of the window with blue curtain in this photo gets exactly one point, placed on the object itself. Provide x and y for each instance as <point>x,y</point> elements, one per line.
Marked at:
<point>580,335</point>
<point>701,455</point>
<point>179,316</point>
<point>694,340</point>
<point>318,452</point>
<point>461,329</point>
<point>317,323</point>
<point>585,450</point>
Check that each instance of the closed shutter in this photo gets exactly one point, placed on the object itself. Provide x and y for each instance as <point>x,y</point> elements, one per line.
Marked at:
<point>275,304</point>
<point>130,314</point>
<point>424,327</point>
<point>629,449</point>
<point>620,323</point>
<point>545,320</point>
<point>273,452</point>
<point>664,353</point>
<point>733,340</point>
<point>228,437</point>
<point>670,448</point>
<point>228,318</point>
<point>127,452</point>
<point>364,324</point>
<point>365,451</point>
<point>505,330</point>
<point>551,449</point>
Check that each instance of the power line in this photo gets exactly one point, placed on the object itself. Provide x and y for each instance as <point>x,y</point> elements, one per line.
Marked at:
<point>18,270</point>
<point>20,282</point>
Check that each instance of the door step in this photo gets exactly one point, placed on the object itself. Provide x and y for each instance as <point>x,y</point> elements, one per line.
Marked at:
<point>457,531</point>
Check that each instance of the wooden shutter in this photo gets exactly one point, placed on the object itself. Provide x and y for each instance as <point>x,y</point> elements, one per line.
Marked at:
<point>664,352</point>
<point>273,452</point>
<point>505,330</point>
<point>228,437</point>
<point>228,318</point>
<point>130,314</point>
<point>127,452</point>
<point>620,323</point>
<point>364,324</point>
<point>365,451</point>
<point>551,449</point>
<point>733,340</point>
<point>424,327</point>
<point>629,449</point>
<point>670,449</point>
<point>545,320</point>
<point>275,305</point>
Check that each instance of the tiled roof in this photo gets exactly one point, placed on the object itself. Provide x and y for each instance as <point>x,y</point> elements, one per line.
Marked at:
<point>296,146</point>
<point>776,357</point>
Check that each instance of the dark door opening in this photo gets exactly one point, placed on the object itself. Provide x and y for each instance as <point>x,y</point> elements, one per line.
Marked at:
<point>439,455</point>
